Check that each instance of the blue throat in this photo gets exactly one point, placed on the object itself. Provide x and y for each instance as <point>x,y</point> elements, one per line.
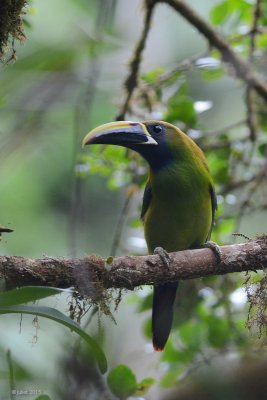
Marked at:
<point>158,157</point>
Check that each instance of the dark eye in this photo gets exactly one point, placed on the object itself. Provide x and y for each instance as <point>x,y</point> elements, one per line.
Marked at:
<point>157,128</point>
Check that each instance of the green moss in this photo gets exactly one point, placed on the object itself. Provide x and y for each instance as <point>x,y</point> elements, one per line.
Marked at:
<point>11,26</point>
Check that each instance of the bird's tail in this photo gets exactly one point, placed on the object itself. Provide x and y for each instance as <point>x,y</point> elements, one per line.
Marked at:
<point>162,313</point>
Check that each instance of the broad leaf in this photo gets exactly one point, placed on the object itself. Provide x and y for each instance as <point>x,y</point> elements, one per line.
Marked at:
<point>220,13</point>
<point>26,294</point>
<point>122,382</point>
<point>144,385</point>
<point>55,315</point>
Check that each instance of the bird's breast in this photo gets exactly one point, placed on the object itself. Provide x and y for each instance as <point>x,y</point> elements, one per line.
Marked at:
<point>180,214</point>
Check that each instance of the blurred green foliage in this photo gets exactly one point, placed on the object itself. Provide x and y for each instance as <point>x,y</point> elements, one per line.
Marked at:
<point>123,383</point>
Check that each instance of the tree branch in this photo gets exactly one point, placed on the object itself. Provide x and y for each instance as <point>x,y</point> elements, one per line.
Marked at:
<point>242,69</point>
<point>131,81</point>
<point>128,272</point>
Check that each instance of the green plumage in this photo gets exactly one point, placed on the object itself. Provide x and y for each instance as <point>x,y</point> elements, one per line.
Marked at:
<point>179,200</point>
<point>178,212</point>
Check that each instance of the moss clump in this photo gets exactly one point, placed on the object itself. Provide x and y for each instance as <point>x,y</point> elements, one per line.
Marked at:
<point>257,297</point>
<point>11,26</point>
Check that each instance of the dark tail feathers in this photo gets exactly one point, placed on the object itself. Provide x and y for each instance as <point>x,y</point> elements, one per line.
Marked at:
<point>162,313</point>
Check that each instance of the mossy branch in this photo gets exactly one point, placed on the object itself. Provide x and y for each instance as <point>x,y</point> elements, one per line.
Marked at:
<point>11,26</point>
<point>128,272</point>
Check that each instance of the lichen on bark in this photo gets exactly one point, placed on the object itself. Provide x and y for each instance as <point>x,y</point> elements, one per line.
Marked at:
<point>11,27</point>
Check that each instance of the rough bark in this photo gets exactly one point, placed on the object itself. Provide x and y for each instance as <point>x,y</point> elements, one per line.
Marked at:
<point>131,271</point>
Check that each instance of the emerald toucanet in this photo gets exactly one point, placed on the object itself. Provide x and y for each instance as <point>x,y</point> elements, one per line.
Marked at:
<point>179,199</point>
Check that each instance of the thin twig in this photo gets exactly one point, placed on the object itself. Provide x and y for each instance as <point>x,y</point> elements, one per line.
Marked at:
<point>242,69</point>
<point>250,97</point>
<point>226,128</point>
<point>11,374</point>
<point>131,81</point>
<point>246,202</point>
<point>243,182</point>
<point>185,65</point>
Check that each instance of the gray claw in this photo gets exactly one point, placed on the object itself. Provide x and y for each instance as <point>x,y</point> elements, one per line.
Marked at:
<point>165,258</point>
<point>216,250</point>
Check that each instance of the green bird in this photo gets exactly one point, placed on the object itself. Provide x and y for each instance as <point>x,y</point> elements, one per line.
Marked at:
<point>179,201</point>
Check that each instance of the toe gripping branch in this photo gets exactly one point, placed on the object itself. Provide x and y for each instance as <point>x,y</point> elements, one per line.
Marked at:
<point>216,250</point>
<point>163,254</point>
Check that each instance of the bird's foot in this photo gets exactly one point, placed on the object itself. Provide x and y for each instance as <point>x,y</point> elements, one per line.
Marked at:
<point>215,248</point>
<point>165,258</point>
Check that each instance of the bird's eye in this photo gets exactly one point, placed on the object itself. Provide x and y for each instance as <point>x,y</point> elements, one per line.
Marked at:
<point>157,128</point>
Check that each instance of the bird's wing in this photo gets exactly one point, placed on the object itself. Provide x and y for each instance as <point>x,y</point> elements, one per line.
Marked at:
<point>213,207</point>
<point>146,199</point>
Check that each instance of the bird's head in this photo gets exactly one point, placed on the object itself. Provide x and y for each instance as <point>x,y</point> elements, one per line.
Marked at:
<point>151,139</point>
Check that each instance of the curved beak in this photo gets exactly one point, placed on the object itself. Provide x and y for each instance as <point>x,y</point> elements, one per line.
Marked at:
<point>121,133</point>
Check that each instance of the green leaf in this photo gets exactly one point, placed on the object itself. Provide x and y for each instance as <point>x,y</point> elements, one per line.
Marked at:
<point>27,24</point>
<point>218,331</point>
<point>262,148</point>
<point>211,74</point>
<point>152,76</point>
<point>261,41</point>
<point>227,226</point>
<point>192,334</point>
<point>145,303</point>
<point>143,386</point>
<point>53,59</point>
<point>218,164</point>
<point>26,294</point>
<point>242,9</point>
<point>55,315</point>
<point>170,378</point>
<point>219,13</point>
<point>20,372</point>
<point>181,108</point>
<point>122,381</point>
<point>135,223</point>
<point>236,10</point>
<point>147,328</point>
<point>173,356</point>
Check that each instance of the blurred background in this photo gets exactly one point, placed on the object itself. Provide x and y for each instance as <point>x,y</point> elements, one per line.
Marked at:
<point>62,201</point>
